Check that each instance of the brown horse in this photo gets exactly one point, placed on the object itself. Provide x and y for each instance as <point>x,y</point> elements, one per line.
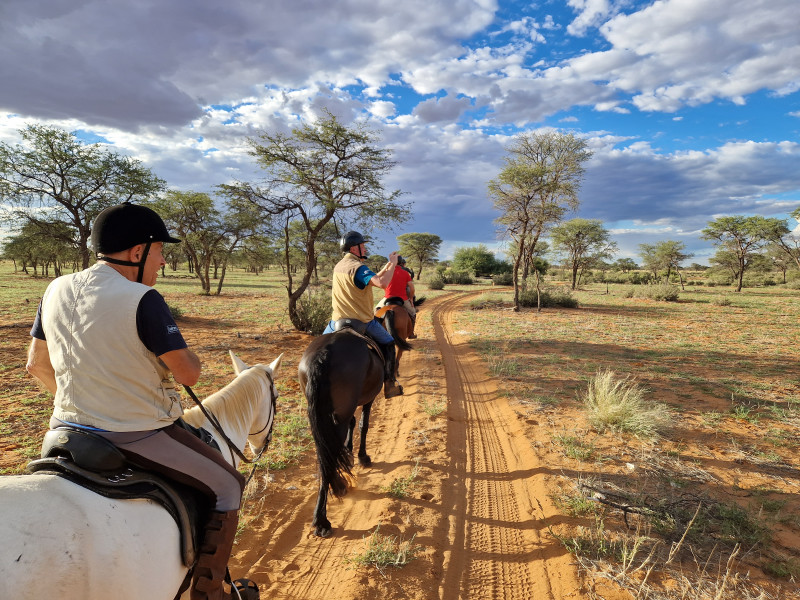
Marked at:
<point>398,323</point>
<point>338,372</point>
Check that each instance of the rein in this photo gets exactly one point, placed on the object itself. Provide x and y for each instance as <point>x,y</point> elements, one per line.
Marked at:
<point>231,446</point>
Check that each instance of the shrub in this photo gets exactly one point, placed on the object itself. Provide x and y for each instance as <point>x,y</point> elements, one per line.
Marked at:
<point>458,277</point>
<point>620,405</point>
<point>314,310</point>
<point>663,292</point>
<point>632,277</point>
<point>503,279</point>
<point>721,301</point>
<point>436,283</point>
<point>550,297</point>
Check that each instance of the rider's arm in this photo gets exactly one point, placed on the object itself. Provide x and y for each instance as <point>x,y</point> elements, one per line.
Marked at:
<point>160,335</point>
<point>184,364</point>
<point>383,277</point>
<point>39,364</point>
<point>411,291</point>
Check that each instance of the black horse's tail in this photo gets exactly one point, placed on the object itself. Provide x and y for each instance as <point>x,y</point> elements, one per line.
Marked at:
<point>418,301</point>
<point>399,342</point>
<point>335,461</point>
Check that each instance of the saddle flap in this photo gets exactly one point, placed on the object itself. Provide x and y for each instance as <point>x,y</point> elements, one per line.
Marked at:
<point>87,450</point>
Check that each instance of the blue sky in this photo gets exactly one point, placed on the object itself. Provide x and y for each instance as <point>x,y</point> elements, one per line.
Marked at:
<point>691,107</point>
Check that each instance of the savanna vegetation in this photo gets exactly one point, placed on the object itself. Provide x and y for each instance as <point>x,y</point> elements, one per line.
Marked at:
<point>672,427</point>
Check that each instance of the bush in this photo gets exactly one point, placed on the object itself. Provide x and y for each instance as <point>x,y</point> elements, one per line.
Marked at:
<point>458,277</point>
<point>550,297</point>
<point>314,310</point>
<point>435,283</point>
<point>663,292</point>
<point>620,405</point>
<point>503,279</point>
<point>632,277</point>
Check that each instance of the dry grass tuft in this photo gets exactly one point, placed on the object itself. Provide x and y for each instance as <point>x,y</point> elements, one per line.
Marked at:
<point>620,405</point>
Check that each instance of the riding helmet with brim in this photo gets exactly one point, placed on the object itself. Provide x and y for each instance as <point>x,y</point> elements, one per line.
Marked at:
<point>124,226</point>
<point>350,239</point>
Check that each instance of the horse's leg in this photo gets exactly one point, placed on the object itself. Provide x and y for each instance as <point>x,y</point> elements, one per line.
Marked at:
<point>320,523</point>
<point>363,457</point>
<point>397,361</point>
<point>348,442</point>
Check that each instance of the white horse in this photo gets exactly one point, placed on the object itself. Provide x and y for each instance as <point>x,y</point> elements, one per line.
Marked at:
<point>61,541</point>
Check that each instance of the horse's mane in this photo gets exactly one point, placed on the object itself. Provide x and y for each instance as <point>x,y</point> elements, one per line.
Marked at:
<point>233,404</point>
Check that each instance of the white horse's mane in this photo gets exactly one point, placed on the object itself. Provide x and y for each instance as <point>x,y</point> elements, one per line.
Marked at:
<point>233,405</point>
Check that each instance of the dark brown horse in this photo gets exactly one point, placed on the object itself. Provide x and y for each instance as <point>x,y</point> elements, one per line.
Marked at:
<point>398,323</point>
<point>338,372</point>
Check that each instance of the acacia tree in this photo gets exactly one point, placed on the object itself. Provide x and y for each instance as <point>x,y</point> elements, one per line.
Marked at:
<point>474,259</point>
<point>52,178</point>
<point>321,172</point>
<point>743,237</point>
<point>584,242</point>
<point>781,259</point>
<point>664,256</point>
<point>421,248</point>
<point>625,265</point>
<point>207,234</point>
<point>537,187</point>
<point>781,236</point>
<point>672,254</point>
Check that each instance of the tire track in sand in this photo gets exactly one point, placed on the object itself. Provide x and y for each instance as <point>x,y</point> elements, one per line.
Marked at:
<point>499,546</point>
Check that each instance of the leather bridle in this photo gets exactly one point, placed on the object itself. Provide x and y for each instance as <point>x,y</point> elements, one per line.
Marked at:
<point>231,446</point>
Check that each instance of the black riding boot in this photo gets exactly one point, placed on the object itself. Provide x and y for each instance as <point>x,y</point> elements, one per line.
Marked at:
<point>390,386</point>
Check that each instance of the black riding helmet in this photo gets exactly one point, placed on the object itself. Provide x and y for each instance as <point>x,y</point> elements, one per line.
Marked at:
<point>400,260</point>
<point>350,239</point>
<point>124,226</point>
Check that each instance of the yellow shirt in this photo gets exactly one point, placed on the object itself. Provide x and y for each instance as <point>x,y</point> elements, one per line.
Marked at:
<point>350,302</point>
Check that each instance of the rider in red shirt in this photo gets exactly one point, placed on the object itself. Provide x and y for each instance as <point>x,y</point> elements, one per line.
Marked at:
<point>402,286</point>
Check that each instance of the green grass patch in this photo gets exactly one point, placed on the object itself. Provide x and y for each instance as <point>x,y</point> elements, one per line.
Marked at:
<point>383,551</point>
<point>575,447</point>
<point>402,486</point>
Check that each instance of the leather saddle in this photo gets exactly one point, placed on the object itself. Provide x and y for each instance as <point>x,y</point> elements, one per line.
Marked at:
<point>388,303</point>
<point>94,463</point>
<point>360,329</point>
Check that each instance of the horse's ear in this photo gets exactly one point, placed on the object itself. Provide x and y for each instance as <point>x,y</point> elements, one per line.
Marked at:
<point>238,364</point>
<point>275,364</point>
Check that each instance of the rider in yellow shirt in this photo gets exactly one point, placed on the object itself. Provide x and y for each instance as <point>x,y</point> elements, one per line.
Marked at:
<point>352,299</point>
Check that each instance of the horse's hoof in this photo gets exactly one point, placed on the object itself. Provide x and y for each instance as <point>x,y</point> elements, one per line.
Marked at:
<point>323,532</point>
<point>365,461</point>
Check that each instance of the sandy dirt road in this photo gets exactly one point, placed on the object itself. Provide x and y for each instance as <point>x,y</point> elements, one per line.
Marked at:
<point>477,512</point>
